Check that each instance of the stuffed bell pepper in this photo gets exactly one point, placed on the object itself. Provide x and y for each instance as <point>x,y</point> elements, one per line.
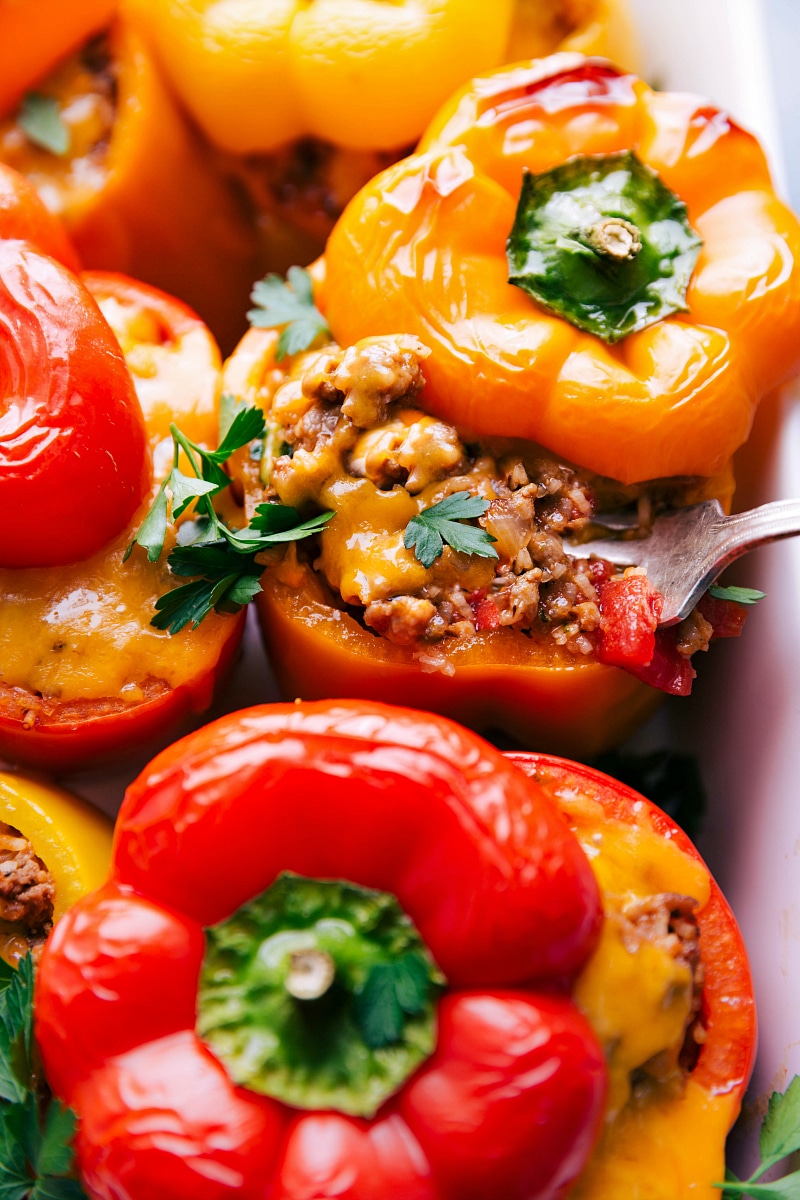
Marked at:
<point>82,673</point>
<point>54,848</point>
<point>477,416</point>
<point>86,116</point>
<point>405,977</point>
<point>308,101</point>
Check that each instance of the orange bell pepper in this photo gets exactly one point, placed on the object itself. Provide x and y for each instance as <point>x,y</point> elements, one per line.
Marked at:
<point>136,189</point>
<point>84,675</point>
<point>27,53</point>
<point>422,249</point>
<point>494,678</point>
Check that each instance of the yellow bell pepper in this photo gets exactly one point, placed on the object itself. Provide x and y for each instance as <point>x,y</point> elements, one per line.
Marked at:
<point>359,73</point>
<point>72,839</point>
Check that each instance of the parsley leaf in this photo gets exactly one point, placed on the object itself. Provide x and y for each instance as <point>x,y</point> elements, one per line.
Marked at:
<point>247,425</point>
<point>780,1136</point>
<point>275,527</point>
<point>440,523</point>
<point>290,304</point>
<point>36,1155</point>
<point>40,120</point>
<point>390,992</point>
<point>742,595</point>
<point>223,559</point>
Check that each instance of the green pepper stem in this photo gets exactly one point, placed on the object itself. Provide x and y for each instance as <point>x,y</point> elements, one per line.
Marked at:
<point>311,973</point>
<point>614,237</point>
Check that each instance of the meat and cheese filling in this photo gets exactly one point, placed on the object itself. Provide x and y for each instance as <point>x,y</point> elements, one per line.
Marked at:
<point>27,897</point>
<point>346,434</point>
<point>82,92</point>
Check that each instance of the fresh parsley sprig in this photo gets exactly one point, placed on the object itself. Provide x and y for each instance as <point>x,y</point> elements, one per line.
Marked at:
<point>441,523</point>
<point>780,1137</point>
<point>742,595</point>
<point>36,1154</point>
<point>290,304</point>
<point>220,561</point>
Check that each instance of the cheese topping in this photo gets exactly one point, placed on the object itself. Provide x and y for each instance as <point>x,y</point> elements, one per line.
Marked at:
<point>82,631</point>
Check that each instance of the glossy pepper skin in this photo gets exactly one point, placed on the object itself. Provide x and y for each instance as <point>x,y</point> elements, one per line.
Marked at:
<point>72,839</point>
<point>700,1117</point>
<point>482,863</point>
<point>74,460</point>
<point>363,75</point>
<point>174,364</point>
<point>676,398</point>
<point>149,196</point>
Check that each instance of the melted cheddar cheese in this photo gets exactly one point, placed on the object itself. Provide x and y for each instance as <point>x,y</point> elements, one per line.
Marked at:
<point>82,631</point>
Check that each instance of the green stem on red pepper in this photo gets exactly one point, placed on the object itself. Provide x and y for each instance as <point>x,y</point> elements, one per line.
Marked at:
<point>320,994</point>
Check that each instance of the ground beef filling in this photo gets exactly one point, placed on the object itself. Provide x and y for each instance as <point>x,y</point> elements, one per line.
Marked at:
<point>345,432</point>
<point>670,922</point>
<point>27,896</point>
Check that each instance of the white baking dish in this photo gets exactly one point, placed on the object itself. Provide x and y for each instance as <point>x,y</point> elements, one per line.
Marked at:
<point>744,718</point>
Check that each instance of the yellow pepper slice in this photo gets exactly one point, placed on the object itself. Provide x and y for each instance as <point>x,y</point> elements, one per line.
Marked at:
<point>72,838</point>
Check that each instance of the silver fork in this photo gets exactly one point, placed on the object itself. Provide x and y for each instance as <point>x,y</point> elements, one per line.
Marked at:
<point>689,547</point>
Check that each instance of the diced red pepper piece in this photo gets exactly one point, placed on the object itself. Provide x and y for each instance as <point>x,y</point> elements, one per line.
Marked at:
<point>668,670</point>
<point>630,609</point>
<point>486,612</point>
<point>726,616</point>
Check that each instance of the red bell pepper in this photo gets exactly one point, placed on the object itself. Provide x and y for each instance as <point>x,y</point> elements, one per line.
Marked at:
<point>475,869</point>
<point>74,461</point>
<point>174,363</point>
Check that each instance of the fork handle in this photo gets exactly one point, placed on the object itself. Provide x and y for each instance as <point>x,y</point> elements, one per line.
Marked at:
<point>746,531</point>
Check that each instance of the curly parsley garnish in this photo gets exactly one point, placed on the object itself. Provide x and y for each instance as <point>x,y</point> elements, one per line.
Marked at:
<point>290,304</point>
<point>441,523</point>
<point>780,1137</point>
<point>36,1155</point>
<point>742,595</point>
<point>220,561</point>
